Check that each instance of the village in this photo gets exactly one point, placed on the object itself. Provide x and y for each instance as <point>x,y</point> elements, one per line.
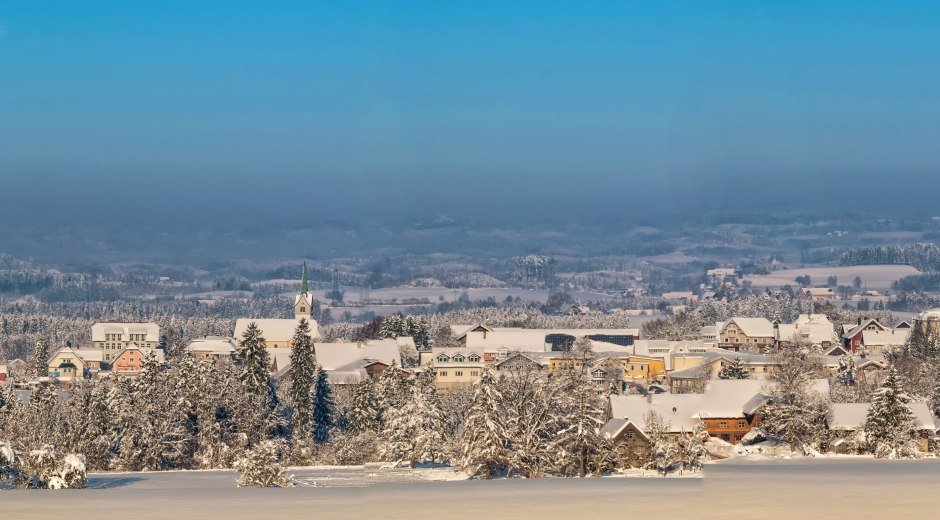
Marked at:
<point>592,400</point>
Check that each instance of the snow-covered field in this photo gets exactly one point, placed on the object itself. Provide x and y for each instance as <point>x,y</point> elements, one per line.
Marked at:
<point>855,488</point>
<point>876,277</point>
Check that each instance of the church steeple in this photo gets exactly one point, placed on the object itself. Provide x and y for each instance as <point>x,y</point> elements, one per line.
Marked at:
<point>303,302</point>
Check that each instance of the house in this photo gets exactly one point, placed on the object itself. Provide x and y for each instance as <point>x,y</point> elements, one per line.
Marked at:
<point>456,367</point>
<point>217,348</point>
<point>66,364</point>
<point>498,342</point>
<point>847,422</point>
<point>728,410</point>
<point>277,332</point>
<point>519,362</point>
<point>853,337</point>
<point>817,294</point>
<point>884,341</point>
<point>111,338</point>
<point>130,360</point>
<point>746,333</point>
<point>815,329</point>
<point>690,369</point>
<point>4,373</point>
<point>350,363</point>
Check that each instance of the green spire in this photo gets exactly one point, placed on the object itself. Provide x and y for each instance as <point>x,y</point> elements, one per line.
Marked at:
<point>303,282</point>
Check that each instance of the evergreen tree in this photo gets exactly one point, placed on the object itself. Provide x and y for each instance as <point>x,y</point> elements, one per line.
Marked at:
<point>44,416</point>
<point>259,468</point>
<point>691,450</point>
<point>42,358</point>
<point>253,362</point>
<point>581,415</point>
<point>393,389</point>
<point>664,449</point>
<point>416,430</point>
<point>303,367</point>
<point>934,398</point>
<point>365,413</point>
<point>392,326</point>
<point>737,369</point>
<point>324,409</point>
<point>889,427</point>
<point>483,438</point>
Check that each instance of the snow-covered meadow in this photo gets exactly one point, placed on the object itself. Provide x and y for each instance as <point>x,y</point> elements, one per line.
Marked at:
<point>742,487</point>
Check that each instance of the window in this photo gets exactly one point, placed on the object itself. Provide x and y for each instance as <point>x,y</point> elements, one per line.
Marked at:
<point>474,373</point>
<point>723,424</point>
<point>442,373</point>
<point>742,424</point>
<point>458,373</point>
<point>443,358</point>
<point>303,309</point>
<point>458,358</point>
<point>473,358</point>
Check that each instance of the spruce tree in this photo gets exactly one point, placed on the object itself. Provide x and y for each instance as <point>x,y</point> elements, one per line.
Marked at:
<point>483,438</point>
<point>889,427</point>
<point>42,358</point>
<point>253,362</point>
<point>364,416</point>
<point>581,414</point>
<point>737,369</point>
<point>302,371</point>
<point>324,409</point>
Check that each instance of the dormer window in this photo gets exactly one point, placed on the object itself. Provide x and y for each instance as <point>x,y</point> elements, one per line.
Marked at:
<point>458,358</point>
<point>443,358</point>
<point>473,358</point>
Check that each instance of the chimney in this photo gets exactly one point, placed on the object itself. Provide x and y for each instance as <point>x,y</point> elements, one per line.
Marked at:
<point>649,397</point>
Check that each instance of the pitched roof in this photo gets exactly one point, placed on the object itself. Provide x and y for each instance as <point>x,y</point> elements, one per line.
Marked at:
<point>215,345</point>
<point>279,330</point>
<point>754,327</point>
<point>852,416</point>
<point>152,330</point>
<point>332,356</point>
<point>892,337</point>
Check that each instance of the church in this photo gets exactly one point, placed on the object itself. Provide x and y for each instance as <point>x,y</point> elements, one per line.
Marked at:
<point>277,332</point>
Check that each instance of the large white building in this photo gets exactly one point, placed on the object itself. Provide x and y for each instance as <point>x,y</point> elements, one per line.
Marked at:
<point>111,338</point>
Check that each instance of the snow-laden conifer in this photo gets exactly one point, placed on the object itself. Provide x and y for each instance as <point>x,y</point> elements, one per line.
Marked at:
<point>889,427</point>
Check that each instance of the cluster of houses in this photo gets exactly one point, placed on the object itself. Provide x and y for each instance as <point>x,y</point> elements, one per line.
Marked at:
<point>676,379</point>
<point>729,409</point>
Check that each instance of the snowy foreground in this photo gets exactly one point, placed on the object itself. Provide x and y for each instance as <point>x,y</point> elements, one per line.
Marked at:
<point>797,488</point>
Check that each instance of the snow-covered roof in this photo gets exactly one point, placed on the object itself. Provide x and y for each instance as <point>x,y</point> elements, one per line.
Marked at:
<point>754,327</point>
<point>527,340</point>
<point>449,353</point>
<point>723,398</point>
<point>852,416</point>
<point>215,345</point>
<point>854,330</point>
<point>152,330</point>
<point>815,328</point>
<point>274,329</point>
<point>885,338</point>
<point>678,409</point>
<point>928,315</point>
<point>333,356</point>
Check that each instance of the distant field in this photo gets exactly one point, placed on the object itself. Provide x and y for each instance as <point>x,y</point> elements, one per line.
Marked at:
<point>877,277</point>
<point>434,294</point>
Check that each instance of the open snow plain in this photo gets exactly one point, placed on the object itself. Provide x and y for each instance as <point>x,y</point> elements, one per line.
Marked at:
<point>804,488</point>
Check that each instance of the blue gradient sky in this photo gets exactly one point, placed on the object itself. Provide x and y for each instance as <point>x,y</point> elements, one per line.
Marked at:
<point>247,111</point>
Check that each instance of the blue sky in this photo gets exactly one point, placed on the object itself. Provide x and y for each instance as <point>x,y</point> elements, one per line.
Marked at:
<point>397,109</point>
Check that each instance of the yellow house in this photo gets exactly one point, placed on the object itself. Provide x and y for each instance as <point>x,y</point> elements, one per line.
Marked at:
<point>456,367</point>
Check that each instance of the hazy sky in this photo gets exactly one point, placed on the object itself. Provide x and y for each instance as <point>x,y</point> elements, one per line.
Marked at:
<point>239,111</point>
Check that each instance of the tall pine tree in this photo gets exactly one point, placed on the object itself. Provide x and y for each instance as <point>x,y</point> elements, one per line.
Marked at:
<point>302,371</point>
<point>324,408</point>
<point>889,427</point>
